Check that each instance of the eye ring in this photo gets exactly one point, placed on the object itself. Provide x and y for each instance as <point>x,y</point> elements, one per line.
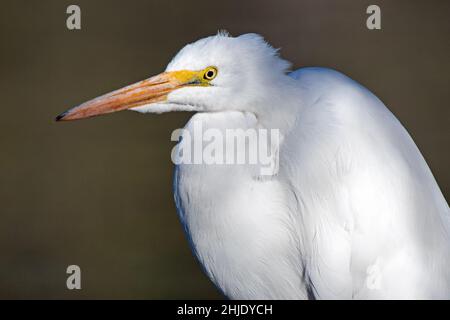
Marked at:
<point>210,73</point>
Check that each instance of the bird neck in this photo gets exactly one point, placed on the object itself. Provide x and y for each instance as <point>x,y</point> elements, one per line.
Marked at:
<point>280,105</point>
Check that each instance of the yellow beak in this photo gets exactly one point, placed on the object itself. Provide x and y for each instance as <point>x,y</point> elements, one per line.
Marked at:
<point>152,90</point>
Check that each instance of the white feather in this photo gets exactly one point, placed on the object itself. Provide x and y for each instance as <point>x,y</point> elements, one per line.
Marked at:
<point>354,211</point>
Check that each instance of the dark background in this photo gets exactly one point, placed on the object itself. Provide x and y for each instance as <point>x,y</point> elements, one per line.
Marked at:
<point>97,193</point>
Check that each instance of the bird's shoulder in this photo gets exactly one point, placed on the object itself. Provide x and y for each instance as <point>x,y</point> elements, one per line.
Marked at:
<point>314,72</point>
<point>318,75</point>
<point>316,82</point>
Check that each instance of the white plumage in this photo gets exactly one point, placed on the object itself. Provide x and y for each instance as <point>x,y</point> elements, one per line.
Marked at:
<point>354,212</point>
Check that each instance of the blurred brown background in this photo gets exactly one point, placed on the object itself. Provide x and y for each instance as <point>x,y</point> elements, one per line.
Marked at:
<point>97,193</point>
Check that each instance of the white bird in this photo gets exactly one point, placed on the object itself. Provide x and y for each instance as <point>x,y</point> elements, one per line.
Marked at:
<point>353,211</point>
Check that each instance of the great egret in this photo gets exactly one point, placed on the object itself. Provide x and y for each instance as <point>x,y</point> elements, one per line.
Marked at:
<point>353,210</point>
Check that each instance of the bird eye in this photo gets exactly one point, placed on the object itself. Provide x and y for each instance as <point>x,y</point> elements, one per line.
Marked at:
<point>210,73</point>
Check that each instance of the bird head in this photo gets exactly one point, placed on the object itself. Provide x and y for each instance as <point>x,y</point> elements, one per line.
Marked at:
<point>217,73</point>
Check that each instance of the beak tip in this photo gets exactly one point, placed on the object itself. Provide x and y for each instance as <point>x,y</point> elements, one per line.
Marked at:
<point>61,116</point>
